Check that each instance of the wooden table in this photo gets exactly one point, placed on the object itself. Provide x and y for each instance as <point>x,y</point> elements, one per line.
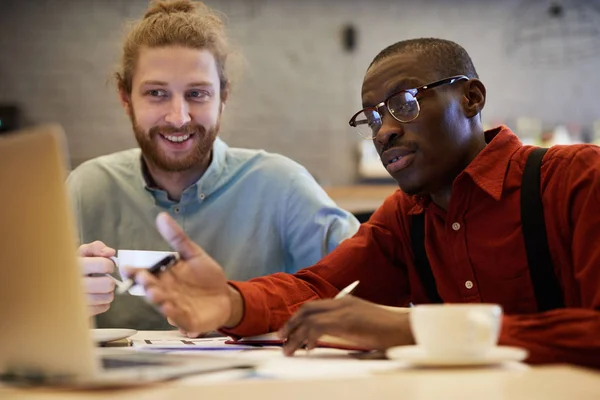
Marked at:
<point>548,383</point>
<point>360,198</point>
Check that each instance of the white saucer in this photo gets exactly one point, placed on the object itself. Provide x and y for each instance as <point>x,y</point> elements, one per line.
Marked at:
<point>417,356</point>
<point>108,335</point>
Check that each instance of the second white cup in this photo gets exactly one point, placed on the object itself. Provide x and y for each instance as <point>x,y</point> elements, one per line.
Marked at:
<point>456,330</point>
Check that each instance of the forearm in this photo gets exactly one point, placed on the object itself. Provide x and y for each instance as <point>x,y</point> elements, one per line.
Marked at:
<point>558,336</point>
<point>263,304</point>
<point>268,302</point>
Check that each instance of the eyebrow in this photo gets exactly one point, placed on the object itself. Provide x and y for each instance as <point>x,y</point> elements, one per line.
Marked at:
<point>203,84</point>
<point>397,86</point>
<point>403,84</point>
<point>156,83</point>
<point>193,84</point>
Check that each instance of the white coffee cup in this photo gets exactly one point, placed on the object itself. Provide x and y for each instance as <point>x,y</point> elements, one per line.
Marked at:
<point>456,330</point>
<point>138,259</point>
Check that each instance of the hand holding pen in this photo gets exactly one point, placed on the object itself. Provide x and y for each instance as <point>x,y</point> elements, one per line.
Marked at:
<point>314,319</point>
<point>366,325</point>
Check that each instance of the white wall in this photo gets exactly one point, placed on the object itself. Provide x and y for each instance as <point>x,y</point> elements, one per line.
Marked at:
<point>299,86</point>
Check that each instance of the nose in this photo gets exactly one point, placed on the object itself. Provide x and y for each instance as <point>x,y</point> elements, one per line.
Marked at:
<point>179,112</point>
<point>391,129</point>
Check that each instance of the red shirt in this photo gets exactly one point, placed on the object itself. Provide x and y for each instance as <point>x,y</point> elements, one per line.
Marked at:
<point>476,251</point>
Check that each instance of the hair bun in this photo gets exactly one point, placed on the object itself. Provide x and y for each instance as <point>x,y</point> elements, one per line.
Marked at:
<point>168,7</point>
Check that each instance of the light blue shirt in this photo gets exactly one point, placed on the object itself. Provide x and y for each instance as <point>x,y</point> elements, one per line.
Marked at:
<point>254,212</point>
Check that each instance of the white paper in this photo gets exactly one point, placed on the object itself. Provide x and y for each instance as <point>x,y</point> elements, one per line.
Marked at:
<point>187,344</point>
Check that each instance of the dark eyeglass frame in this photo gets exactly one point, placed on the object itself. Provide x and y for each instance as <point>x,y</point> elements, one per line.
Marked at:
<point>413,92</point>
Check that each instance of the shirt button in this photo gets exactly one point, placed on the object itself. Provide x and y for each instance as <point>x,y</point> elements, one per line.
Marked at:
<point>469,285</point>
<point>456,226</point>
<point>202,196</point>
<point>176,209</point>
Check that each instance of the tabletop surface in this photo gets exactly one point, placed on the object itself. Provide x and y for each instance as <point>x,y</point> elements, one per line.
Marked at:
<point>329,373</point>
<point>556,382</point>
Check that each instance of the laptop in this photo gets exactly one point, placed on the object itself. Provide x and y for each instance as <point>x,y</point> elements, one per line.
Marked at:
<point>45,329</point>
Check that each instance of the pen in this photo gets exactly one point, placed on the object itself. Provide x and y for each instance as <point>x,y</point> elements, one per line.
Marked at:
<point>155,269</point>
<point>347,290</point>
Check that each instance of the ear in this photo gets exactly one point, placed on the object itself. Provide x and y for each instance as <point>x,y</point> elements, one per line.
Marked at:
<point>125,99</point>
<point>474,97</point>
<point>224,96</point>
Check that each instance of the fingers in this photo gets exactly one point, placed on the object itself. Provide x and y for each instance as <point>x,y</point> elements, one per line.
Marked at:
<point>155,295</point>
<point>95,310</point>
<point>305,311</point>
<point>100,299</point>
<point>169,278</point>
<point>191,335</point>
<point>96,265</point>
<point>310,322</point>
<point>98,285</point>
<point>177,239</point>
<point>96,249</point>
<point>94,258</point>
<point>177,316</point>
<point>155,287</point>
<point>302,328</point>
<point>140,275</point>
<point>99,292</point>
<point>295,340</point>
<point>174,316</point>
<point>308,333</point>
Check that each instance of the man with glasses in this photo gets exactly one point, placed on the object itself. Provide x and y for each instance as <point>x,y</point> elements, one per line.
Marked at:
<point>479,218</point>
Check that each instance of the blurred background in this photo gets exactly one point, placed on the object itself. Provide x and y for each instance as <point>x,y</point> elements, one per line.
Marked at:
<point>298,75</point>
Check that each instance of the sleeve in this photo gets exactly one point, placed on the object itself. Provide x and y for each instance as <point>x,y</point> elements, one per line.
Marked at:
<point>310,222</point>
<point>371,256</point>
<point>571,334</point>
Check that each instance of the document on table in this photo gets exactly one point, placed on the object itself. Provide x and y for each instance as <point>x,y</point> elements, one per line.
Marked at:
<point>271,363</point>
<point>185,344</point>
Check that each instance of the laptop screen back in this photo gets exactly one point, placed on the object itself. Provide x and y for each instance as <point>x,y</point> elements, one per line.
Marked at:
<point>44,326</point>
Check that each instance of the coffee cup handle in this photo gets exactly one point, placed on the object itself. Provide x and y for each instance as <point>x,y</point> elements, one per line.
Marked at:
<point>120,285</point>
<point>115,260</point>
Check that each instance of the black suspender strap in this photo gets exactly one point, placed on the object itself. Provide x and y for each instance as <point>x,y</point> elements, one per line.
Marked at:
<point>417,239</point>
<point>546,287</point>
<point>541,269</point>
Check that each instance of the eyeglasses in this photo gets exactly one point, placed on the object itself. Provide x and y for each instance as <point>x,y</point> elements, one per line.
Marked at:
<point>402,105</point>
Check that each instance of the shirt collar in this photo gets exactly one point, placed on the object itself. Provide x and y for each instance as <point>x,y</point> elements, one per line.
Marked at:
<point>488,168</point>
<point>209,182</point>
<point>200,189</point>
